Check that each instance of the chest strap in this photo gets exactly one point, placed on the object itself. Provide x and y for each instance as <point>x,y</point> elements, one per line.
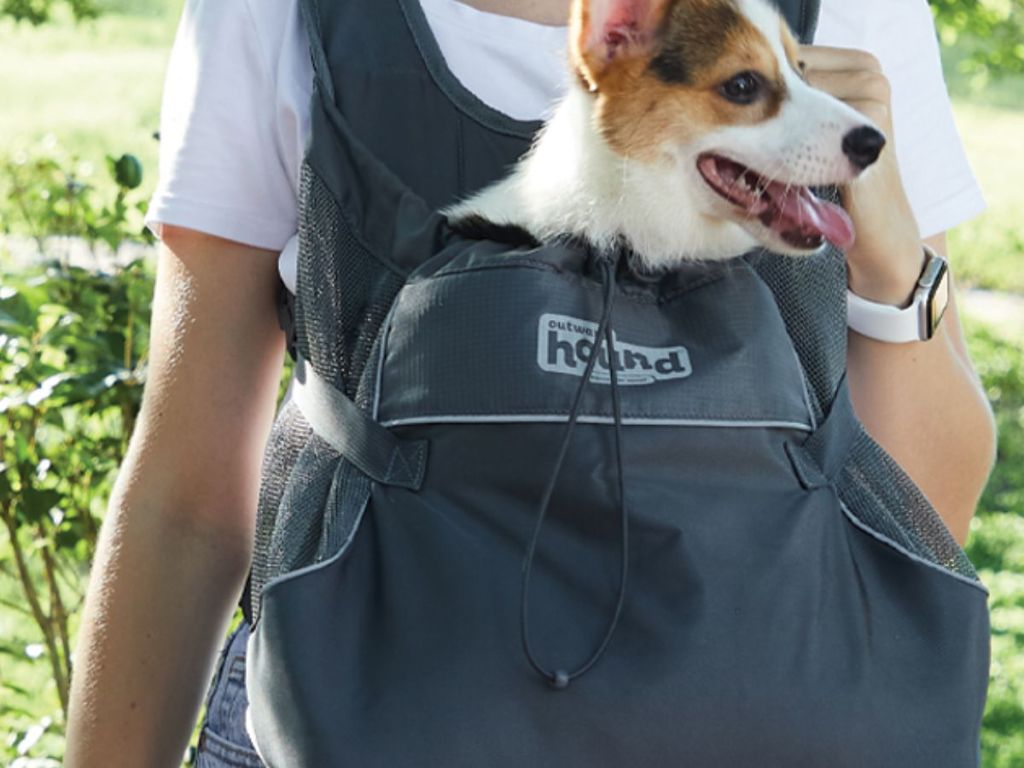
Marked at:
<point>380,454</point>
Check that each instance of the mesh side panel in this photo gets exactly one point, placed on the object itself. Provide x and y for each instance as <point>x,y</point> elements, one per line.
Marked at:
<point>349,493</point>
<point>288,437</point>
<point>344,293</point>
<point>879,493</point>
<point>310,499</point>
<point>811,294</point>
<point>299,519</point>
<point>291,519</point>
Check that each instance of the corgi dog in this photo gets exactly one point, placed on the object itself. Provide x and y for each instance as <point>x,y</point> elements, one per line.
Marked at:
<point>689,133</point>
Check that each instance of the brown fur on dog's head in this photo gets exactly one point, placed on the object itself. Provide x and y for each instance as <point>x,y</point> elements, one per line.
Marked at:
<point>657,67</point>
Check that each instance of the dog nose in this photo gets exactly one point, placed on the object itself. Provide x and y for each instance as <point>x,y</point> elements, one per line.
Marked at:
<point>863,145</point>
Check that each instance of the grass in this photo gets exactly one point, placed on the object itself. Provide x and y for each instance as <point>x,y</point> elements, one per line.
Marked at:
<point>988,252</point>
<point>96,89</point>
<point>996,544</point>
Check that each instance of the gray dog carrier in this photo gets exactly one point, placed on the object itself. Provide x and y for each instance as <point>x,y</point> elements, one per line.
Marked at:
<point>531,506</point>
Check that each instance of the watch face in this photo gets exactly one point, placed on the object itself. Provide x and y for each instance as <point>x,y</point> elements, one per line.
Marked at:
<point>937,301</point>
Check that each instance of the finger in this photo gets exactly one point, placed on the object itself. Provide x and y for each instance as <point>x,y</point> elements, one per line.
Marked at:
<point>875,111</point>
<point>825,57</point>
<point>851,84</point>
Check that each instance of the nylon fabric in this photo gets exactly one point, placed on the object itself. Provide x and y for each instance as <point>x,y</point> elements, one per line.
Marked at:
<point>820,659</point>
<point>792,597</point>
<point>470,361</point>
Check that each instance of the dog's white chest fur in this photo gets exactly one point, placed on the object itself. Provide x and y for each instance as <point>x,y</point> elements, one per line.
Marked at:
<point>572,182</point>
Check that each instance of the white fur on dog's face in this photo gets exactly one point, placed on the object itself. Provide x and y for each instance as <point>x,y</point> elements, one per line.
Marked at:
<point>804,140</point>
<point>632,152</point>
<point>801,145</point>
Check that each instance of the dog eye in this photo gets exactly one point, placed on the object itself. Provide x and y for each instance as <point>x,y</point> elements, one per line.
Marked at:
<point>744,88</point>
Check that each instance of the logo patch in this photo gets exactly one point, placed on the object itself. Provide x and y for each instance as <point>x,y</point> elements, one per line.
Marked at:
<point>565,345</point>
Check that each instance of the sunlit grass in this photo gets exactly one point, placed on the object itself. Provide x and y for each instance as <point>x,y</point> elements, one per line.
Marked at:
<point>96,87</point>
<point>989,251</point>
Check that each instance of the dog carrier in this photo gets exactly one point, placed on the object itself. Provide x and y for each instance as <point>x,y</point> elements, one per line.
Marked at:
<point>532,506</point>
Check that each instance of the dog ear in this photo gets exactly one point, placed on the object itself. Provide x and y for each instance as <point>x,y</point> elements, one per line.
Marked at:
<point>604,30</point>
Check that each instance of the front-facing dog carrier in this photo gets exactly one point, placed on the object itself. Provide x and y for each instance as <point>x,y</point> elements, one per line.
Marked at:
<point>530,506</point>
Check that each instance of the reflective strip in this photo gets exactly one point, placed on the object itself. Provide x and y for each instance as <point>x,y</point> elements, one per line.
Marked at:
<point>544,418</point>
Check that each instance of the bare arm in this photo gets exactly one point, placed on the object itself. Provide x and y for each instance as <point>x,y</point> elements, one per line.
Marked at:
<point>921,401</point>
<point>924,404</point>
<point>176,542</point>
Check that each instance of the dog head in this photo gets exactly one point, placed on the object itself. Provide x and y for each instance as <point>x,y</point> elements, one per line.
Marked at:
<point>712,91</point>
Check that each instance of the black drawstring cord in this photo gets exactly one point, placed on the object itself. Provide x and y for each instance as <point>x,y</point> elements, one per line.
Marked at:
<point>560,678</point>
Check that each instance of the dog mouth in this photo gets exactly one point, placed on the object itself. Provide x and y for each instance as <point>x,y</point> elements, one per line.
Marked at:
<point>794,213</point>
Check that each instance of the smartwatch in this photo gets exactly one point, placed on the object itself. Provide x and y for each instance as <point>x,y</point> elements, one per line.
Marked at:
<point>896,325</point>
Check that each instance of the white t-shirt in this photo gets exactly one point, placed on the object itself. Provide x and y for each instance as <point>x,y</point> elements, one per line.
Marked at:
<point>235,120</point>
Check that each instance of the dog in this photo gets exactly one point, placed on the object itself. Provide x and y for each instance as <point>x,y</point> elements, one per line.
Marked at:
<point>689,133</point>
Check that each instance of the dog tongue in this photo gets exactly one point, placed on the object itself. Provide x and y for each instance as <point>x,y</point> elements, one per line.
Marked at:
<point>800,207</point>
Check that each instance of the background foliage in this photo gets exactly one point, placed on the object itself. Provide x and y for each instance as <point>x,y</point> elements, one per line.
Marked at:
<point>39,11</point>
<point>77,280</point>
<point>72,367</point>
<point>988,33</point>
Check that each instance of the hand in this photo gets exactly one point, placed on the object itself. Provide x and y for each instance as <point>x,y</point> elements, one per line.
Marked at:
<point>886,259</point>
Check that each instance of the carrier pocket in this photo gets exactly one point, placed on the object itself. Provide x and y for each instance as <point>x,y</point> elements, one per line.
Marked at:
<point>507,340</point>
<point>874,493</point>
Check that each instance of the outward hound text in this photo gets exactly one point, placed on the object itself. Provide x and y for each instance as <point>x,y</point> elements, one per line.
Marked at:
<point>565,345</point>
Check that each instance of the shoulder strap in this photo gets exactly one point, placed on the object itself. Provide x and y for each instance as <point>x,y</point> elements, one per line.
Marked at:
<point>807,21</point>
<point>311,22</point>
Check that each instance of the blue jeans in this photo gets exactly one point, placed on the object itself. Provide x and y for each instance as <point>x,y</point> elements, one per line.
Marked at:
<point>223,740</point>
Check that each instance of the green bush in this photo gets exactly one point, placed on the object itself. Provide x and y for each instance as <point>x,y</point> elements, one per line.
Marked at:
<point>996,546</point>
<point>49,194</point>
<point>72,365</point>
<point>40,11</point>
<point>988,35</point>
<point>1000,363</point>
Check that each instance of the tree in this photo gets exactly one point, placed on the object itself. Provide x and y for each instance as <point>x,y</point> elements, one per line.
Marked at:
<point>988,34</point>
<point>38,11</point>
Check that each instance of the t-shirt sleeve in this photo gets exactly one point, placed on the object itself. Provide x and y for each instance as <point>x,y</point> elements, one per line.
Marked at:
<point>940,184</point>
<point>221,170</point>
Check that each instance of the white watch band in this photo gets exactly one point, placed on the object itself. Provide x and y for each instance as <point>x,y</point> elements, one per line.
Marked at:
<point>917,322</point>
<point>882,322</point>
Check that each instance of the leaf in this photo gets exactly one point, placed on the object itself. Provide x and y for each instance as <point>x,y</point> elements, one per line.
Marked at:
<point>17,313</point>
<point>17,689</point>
<point>67,539</point>
<point>10,326</point>
<point>22,450</point>
<point>13,709</point>
<point>11,650</point>
<point>36,503</point>
<point>128,171</point>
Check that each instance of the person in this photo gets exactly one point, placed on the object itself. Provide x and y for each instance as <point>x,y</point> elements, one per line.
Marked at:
<point>177,542</point>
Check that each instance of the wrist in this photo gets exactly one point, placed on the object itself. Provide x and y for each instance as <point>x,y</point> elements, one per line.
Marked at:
<point>918,320</point>
<point>889,279</point>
